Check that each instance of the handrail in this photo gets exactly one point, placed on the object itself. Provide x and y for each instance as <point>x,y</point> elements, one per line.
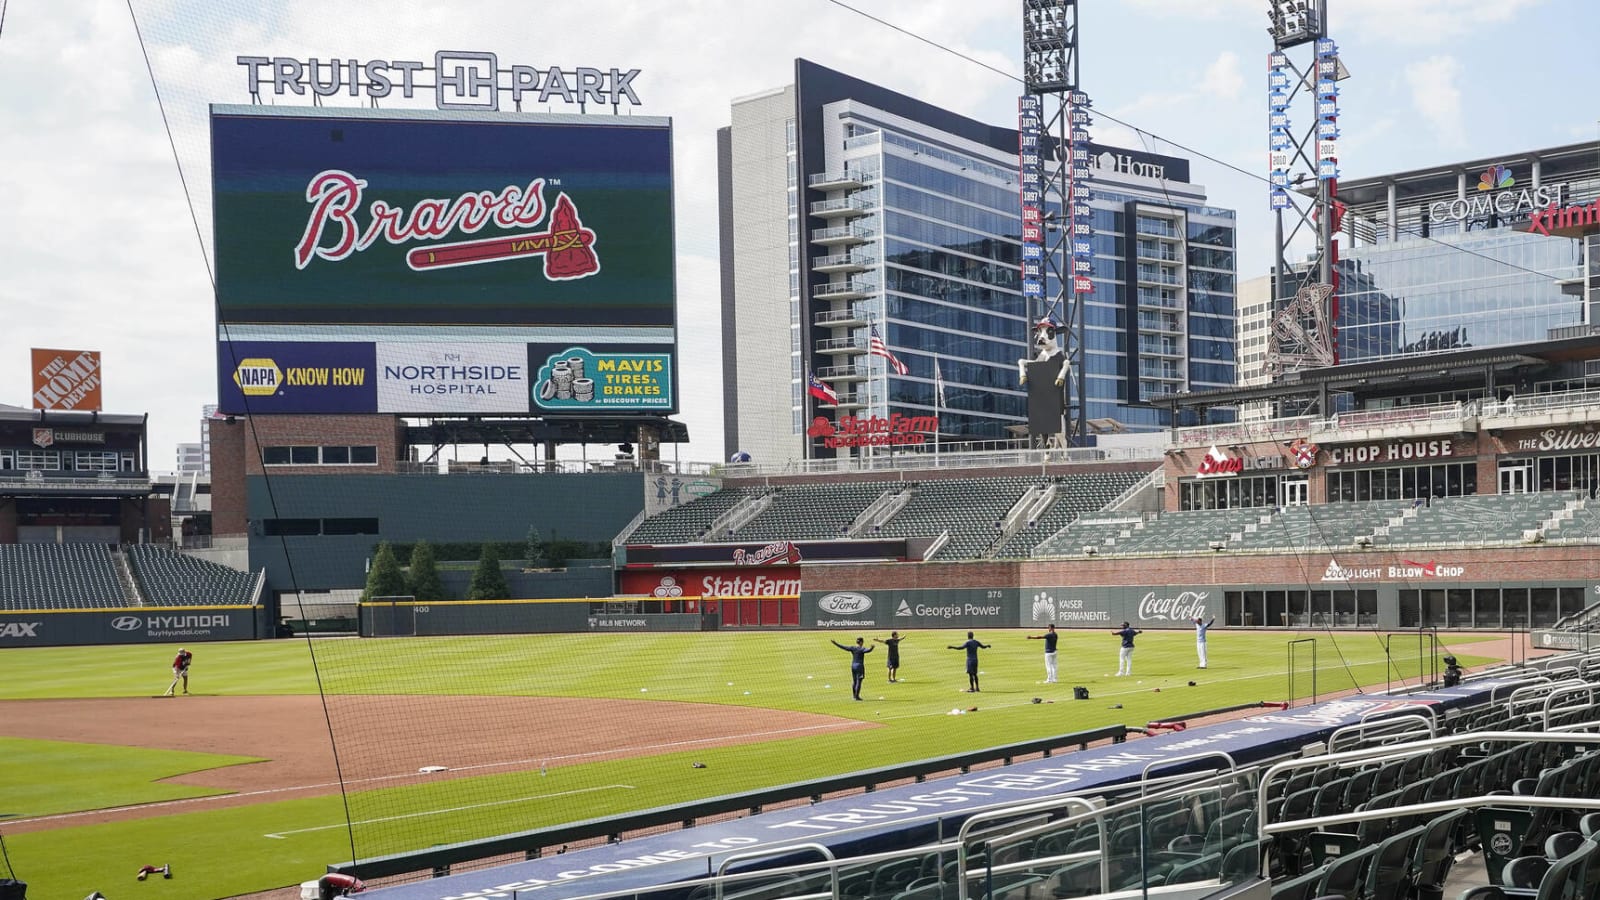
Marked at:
<point>1233,767</point>
<point>611,826</point>
<point>1360,728</point>
<point>1494,692</point>
<point>1452,740</point>
<point>722,870</point>
<point>1320,823</point>
<point>1007,813</point>
<point>1558,691</point>
<point>1529,695</point>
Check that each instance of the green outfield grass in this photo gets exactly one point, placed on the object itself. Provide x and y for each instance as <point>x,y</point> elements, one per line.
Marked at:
<point>243,849</point>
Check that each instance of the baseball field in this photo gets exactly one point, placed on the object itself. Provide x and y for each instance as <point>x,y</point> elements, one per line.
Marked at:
<point>238,785</point>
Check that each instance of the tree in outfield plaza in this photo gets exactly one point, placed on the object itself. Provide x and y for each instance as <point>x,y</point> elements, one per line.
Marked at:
<point>384,578</point>
<point>535,552</point>
<point>488,582</point>
<point>425,583</point>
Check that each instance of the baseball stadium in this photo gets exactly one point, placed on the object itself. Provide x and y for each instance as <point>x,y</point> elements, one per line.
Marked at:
<point>446,618</point>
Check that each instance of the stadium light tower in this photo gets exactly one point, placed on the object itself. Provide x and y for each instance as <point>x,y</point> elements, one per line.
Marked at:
<point>1303,91</point>
<point>1053,122</point>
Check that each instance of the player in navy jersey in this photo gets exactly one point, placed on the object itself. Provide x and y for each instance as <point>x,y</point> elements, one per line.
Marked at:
<point>858,664</point>
<point>971,645</point>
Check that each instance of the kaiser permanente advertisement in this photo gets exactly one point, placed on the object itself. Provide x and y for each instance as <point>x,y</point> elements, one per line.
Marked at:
<point>430,378</point>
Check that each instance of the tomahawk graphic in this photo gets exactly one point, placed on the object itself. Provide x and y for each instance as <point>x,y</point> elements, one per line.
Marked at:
<point>568,248</point>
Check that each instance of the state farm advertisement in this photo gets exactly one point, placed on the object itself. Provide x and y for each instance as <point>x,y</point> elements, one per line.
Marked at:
<point>775,581</point>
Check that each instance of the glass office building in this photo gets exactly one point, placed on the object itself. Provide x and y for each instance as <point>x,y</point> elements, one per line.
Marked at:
<point>849,209</point>
<point>1444,258</point>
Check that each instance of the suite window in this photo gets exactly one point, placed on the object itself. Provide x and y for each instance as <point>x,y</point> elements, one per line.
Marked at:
<point>291,527</point>
<point>350,526</point>
<point>95,461</point>
<point>320,456</point>
<point>47,460</point>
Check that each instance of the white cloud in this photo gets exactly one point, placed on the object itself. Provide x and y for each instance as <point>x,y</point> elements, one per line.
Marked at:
<point>1436,95</point>
<point>1223,79</point>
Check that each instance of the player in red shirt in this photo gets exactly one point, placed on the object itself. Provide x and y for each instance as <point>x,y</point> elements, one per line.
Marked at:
<point>180,671</point>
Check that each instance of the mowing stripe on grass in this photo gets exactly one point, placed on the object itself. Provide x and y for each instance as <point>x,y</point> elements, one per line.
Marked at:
<point>280,835</point>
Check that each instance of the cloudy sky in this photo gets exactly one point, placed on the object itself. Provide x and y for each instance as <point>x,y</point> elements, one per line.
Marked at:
<point>98,249</point>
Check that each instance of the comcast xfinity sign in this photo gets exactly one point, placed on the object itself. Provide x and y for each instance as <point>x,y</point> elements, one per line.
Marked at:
<point>459,79</point>
<point>1499,194</point>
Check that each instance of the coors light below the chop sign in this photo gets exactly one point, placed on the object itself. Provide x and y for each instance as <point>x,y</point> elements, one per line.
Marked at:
<point>1184,607</point>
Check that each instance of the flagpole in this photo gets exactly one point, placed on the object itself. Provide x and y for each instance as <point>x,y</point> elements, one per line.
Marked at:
<point>938,388</point>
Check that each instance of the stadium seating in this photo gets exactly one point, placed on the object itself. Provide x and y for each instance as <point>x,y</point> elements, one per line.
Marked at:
<point>58,576</point>
<point>1188,531</point>
<point>1479,520</point>
<point>1076,495</point>
<point>1330,526</point>
<point>971,509</point>
<point>1092,530</point>
<point>168,578</point>
<point>688,522</point>
<point>811,512</point>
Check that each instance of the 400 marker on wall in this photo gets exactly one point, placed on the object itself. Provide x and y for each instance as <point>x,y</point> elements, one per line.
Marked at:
<point>582,380</point>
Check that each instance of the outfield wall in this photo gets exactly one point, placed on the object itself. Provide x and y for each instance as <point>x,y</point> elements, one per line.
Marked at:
<point>457,617</point>
<point>133,625</point>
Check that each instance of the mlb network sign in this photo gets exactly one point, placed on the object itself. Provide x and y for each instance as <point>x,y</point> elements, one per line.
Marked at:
<point>459,79</point>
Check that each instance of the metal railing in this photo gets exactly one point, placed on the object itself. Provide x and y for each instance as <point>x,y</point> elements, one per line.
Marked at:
<point>684,815</point>
<point>1242,432</point>
<point>840,288</point>
<point>858,176</point>
<point>1265,828</point>
<point>1399,415</point>
<point>38,479</point>
<point>560,467</point>
<point>839,204</point>
<point>910,460</point>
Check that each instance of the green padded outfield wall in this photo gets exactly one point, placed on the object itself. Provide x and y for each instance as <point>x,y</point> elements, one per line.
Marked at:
<point>435,508</point>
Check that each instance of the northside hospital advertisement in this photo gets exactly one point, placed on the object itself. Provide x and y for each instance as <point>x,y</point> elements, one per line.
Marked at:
<point>398,263</point>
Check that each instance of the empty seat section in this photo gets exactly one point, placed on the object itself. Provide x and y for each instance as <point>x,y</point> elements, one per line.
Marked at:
<point>688,522</point>
<point>58,576</point>
<point>811,512</point>
<point>1076,496</point>
<point>971,509</point>
<point>168,578</point>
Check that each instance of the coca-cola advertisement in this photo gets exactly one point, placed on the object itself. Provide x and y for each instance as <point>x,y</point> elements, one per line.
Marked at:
<point>1173,606</point>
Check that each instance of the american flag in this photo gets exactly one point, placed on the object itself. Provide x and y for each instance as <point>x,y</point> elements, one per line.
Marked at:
<point>877,347</point>
<point>938,382</point>
<point>820,390</point>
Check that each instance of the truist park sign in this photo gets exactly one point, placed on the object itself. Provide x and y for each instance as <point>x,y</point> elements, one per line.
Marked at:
<point>458,79</point>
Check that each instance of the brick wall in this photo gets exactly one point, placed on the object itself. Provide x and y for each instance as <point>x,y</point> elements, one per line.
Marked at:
<point>227,476</point>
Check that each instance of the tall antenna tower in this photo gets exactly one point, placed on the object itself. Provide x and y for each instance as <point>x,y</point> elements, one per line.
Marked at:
<point>1057,254</point>
<point>1303,78</point>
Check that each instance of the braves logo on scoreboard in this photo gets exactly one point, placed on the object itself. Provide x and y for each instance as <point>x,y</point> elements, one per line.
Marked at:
<point>335,232</point>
